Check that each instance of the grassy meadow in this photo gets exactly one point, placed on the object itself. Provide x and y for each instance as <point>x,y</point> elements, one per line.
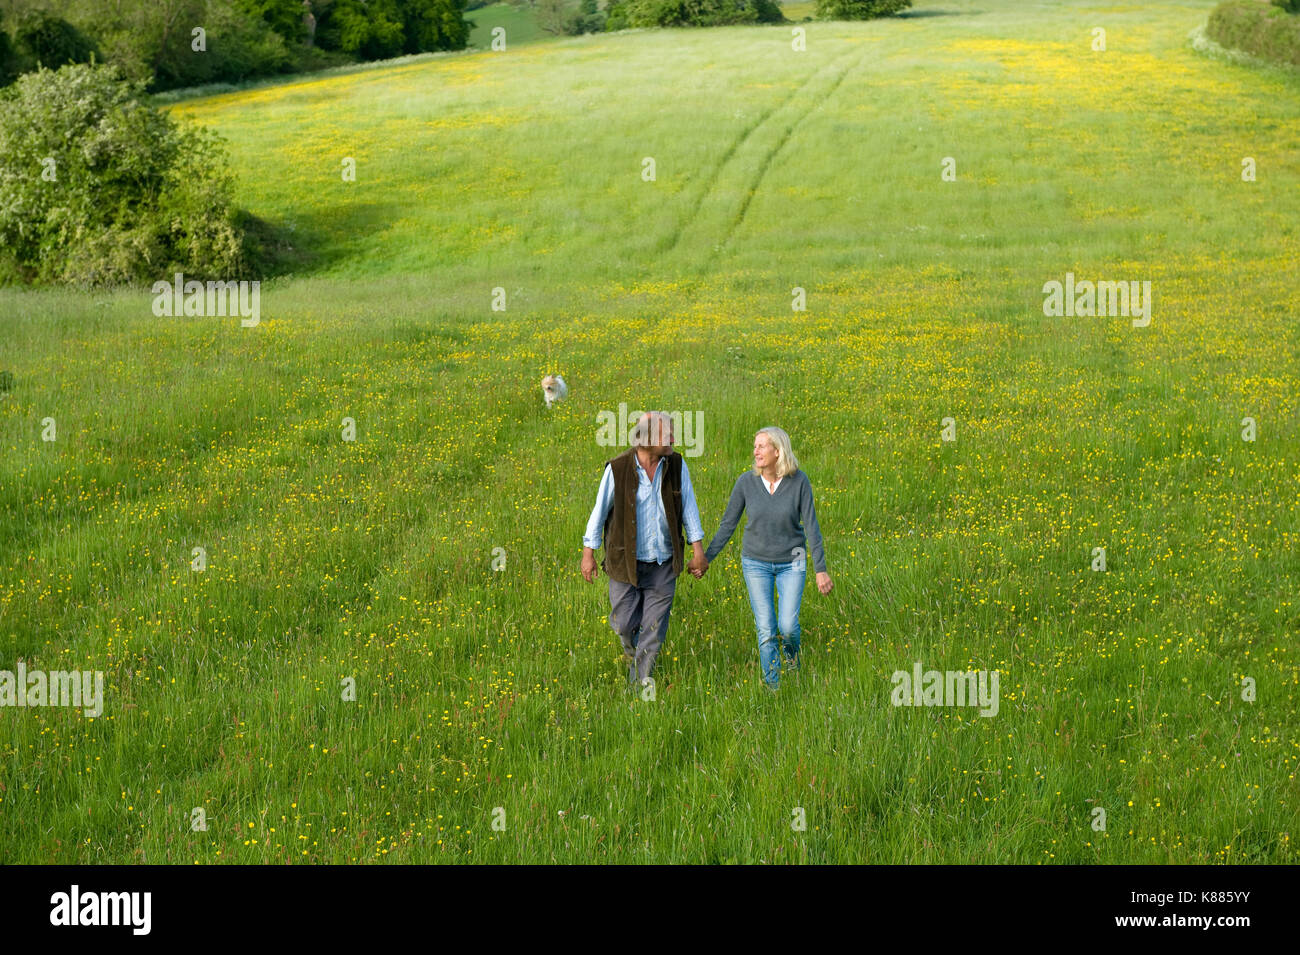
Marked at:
<point>479,688</point>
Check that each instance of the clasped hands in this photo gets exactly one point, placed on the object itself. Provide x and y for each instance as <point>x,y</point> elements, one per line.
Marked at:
<point>697,567</point>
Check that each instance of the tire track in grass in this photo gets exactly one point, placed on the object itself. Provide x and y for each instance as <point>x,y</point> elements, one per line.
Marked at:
<point>737,153</point>
<point>766,162</point>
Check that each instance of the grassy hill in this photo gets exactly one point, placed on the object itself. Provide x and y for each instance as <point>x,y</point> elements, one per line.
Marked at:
<point>519,22</point>
<point>480,689</point>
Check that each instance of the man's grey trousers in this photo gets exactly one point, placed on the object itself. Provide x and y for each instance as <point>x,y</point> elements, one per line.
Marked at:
<point>639,615</point>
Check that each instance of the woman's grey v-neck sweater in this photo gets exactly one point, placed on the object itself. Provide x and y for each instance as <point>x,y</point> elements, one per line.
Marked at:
<point>776,522</point>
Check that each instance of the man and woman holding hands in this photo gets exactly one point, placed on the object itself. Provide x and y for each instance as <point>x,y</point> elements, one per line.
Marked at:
<point>644,505</point>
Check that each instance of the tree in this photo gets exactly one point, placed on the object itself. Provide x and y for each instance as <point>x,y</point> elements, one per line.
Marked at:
<point>551,15</point>
<point>371,31</point>
<point>859,9</point>
<point>589,19</point>
<point>696,13</point>
<point>434,25</point>
<point>562,17</point>
<point>285,17</point>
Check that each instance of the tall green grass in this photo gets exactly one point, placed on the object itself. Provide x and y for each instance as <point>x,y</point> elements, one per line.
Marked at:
<point>481,689</point>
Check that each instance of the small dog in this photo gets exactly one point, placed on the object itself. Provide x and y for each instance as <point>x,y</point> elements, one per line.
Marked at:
<point>554,389</point>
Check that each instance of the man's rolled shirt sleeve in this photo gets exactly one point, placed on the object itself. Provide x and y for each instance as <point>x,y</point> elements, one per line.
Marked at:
<point>604,501</point>
<point>690,510</point>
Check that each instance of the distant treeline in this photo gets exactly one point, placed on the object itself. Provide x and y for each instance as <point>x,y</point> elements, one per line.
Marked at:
<point>167,44</point>
<point>563,16</point>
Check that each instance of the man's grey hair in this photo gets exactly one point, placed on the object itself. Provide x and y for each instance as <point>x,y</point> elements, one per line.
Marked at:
<point>651,429</point>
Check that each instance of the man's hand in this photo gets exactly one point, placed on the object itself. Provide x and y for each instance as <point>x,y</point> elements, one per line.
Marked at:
<point>590,570</point>
<point>698,564</point>
<point>824,582</point>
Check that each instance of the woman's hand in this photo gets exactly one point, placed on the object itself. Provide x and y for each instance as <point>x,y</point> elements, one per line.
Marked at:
<point>824,583</point>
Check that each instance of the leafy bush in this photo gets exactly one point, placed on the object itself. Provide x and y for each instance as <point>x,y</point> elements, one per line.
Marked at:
<point>99,188</point>
<point>1290,6</point>
<point>1257,28</point>
<point>859,9</point>
<point>696,13</point>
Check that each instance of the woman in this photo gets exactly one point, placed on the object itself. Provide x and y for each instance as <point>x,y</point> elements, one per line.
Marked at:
<point>779,500</point>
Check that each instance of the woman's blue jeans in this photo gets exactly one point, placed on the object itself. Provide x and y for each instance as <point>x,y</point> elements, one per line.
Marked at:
<point>765,580</point>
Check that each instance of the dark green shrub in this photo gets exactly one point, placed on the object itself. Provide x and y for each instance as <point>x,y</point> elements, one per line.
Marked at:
<point>589,19</point>
<point>133,37</point>
<point>160,50</point>
<point>1257,28</point>
<point>99,188</point>
<point>51,41</point>
<point>698,13</point>
<point>377,29</point>
<point>285,17</point>
<point>240,46</point>
<point>237,45</point>
<point>1290,6</point>
<point>859,9</point>
<point>372,31</point>
<point>9,68</point>
<point>434,25</point>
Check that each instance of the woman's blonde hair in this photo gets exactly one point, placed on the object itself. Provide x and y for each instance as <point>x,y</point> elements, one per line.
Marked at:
<point>786,462</point>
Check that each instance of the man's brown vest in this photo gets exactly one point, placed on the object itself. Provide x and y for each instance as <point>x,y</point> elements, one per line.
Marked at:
<point>620,526</point>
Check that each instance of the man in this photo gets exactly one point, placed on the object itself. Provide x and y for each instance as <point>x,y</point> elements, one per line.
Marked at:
<point>644,502</point>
